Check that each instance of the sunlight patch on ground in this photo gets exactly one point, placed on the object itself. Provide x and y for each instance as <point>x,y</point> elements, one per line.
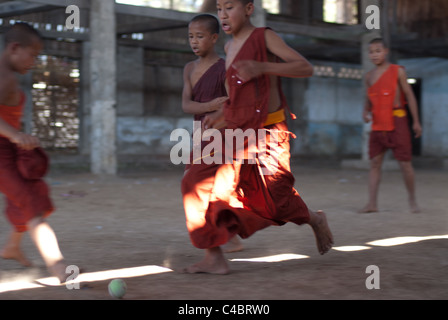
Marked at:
<point>274,258</point>
<point>27,283</point>
<point>404,240</point>
<point>351,248</point>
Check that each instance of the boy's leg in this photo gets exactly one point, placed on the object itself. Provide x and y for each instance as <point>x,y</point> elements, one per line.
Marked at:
<point>322,232</point>
<point>12,249</point>
<point>374,182</point>
<point>46,242</point>
<point>233,245</point>
<point>409,180</point>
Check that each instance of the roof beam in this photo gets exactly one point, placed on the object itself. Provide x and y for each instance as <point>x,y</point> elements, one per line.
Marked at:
<point>16,8</point>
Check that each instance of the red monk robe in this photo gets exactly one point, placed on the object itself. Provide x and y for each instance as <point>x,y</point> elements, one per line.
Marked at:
<point>390,128</point>
<point>211,85</point>
<point>214,212</point>
<point>27,195</point>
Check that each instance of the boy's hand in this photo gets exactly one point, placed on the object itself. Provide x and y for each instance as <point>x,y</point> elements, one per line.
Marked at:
<point>366,116</point>
<point>247,69</point>
<point>217,103</point>
<point>417,129</point>
<point>214,120</point>
<point>25,141</point>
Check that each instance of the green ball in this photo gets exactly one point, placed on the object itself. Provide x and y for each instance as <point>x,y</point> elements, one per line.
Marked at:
<point>117,288</point>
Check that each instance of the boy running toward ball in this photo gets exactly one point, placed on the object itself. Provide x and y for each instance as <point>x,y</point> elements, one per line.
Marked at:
<point>255,103</point>
<point>22,162</point>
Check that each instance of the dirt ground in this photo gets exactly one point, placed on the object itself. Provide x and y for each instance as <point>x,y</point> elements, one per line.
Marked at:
<point>137,219</point>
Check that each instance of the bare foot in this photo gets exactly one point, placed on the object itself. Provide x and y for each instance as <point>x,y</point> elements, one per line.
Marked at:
<point>213,263</point>
<point>58,270</point>
<point>14,253</point>
<point>368,209</point>
<point>414,207</point>
<point>324,237</point>
<point>234,245</point>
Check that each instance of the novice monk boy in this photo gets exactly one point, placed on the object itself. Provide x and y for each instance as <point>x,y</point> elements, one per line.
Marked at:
<point>255,102</point>
<point>387,93</point>
<point>22,162</point>
<point>204,89</point>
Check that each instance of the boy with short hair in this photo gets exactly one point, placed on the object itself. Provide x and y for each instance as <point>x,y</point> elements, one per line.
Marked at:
<point>255,102</point>
<point>204,91</point>
<point>22,162</point>
<point>387,93</point>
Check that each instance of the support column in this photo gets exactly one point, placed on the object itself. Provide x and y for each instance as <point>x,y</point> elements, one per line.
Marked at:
<point>103,87</point>
<point>259,16</point>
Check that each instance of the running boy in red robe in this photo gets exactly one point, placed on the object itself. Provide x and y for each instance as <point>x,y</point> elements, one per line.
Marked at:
<point>22,162</point>
<point>255,102</point>
<point>387,92</point>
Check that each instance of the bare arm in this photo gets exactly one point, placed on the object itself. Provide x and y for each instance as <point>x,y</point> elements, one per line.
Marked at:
<point>294,65</point>
<point>412,102</point>
<point>367,104</point>
<point>23,140</point>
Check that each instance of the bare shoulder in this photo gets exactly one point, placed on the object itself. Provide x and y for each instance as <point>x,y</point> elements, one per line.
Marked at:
<point>271,36</point>
<point>188,70</point>
<point>402,72</point>
<point>189,66</point>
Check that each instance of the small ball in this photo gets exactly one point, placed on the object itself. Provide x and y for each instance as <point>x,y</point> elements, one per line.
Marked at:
<point>117,288</point>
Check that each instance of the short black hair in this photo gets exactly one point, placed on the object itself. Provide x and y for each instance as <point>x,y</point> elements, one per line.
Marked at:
<point>211,21</point>
<point>379,40</point>
<point>23,33</point>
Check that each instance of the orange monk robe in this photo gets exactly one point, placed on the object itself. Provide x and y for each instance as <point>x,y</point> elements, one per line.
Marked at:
<point>27,195</point>
<point>382,97</point>
<point>390,128</point>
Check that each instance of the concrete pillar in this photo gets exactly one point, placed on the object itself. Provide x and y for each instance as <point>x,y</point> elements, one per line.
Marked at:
<point>130,88</point>
<point>259,16</point>
<point>103,87</point>
<point>84,98</point>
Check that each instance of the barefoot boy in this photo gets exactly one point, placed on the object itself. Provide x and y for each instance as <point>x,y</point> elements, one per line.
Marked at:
<point>204,89</point>
<point>255,102</point>
<point>387,92</point>
<point>27,195</point>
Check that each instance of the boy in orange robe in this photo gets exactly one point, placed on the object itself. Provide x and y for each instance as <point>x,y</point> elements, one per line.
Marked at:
<point>387,92</point>
<point>254,99</point>
<point>22,162</point>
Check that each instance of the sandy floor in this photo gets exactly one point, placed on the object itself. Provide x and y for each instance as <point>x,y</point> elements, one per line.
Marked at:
<point>137,220</point>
